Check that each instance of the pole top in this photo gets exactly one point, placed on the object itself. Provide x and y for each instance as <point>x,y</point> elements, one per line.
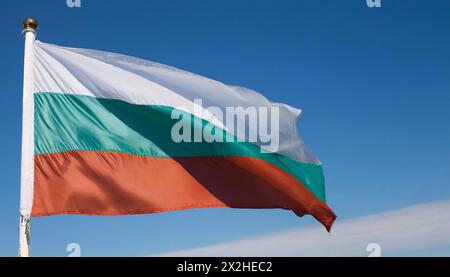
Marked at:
<point>30,24</point>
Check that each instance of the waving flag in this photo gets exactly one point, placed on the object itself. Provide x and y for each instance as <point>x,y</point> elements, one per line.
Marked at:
<point>104,142</point>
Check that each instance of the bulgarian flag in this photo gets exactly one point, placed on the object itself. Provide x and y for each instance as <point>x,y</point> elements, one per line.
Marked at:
<point>117,135</point>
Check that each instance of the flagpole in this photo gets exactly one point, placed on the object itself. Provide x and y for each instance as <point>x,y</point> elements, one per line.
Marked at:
<point>26,183</point>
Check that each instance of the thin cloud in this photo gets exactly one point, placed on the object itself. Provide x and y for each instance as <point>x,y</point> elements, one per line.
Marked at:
<point>411,229</point>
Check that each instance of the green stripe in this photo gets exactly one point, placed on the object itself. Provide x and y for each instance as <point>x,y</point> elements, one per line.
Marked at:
<point>67,122</point>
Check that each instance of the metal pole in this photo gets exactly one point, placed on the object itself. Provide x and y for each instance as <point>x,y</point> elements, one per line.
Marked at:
<point>27,174</point>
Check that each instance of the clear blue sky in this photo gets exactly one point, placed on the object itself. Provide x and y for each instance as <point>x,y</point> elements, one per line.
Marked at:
<point>373,84</point>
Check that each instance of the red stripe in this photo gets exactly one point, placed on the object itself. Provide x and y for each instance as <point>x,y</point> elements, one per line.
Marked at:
<point>112,183</point>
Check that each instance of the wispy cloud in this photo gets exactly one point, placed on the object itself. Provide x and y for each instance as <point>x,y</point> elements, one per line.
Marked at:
<point>414,228</point>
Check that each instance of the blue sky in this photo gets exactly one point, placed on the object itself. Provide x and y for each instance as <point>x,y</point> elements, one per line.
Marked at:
<point>373,84</point>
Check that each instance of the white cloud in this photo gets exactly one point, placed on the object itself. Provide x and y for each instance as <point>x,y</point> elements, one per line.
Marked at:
<point>410,229</point>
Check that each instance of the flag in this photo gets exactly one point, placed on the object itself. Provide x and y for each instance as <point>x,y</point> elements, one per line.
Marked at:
<point>117,135</point>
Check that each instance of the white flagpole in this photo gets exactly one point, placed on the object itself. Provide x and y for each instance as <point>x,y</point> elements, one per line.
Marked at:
<point>27,174</point>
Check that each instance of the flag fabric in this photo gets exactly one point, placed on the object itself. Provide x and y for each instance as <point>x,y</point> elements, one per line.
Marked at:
<point>102,142</point>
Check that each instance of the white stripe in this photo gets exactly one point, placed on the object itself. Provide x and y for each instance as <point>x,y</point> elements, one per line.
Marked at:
<point>115,76</point>
<point>61,71</point>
